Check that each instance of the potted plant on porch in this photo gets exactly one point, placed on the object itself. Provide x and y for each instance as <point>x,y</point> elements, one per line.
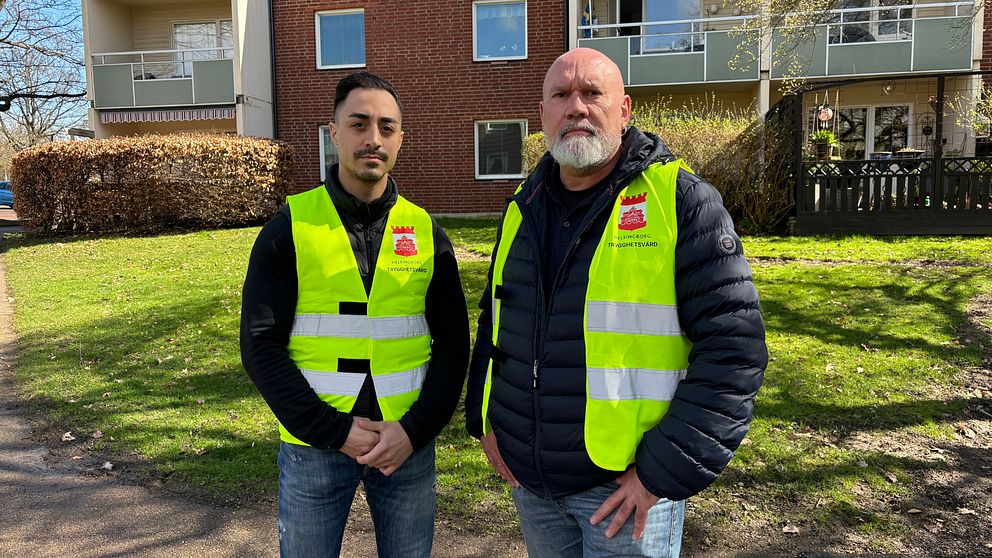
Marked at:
<point>823,141</point>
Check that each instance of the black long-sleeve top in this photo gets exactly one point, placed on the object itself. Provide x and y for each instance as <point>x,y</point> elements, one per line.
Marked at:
<point>269,305</point>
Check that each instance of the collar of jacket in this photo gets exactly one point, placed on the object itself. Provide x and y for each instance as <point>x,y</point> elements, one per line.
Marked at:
<point>639,149</point>
<point>356,208</point>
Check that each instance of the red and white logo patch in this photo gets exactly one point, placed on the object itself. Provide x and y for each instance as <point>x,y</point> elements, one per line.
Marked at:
<point>404,241</point>
<point>633,212</point>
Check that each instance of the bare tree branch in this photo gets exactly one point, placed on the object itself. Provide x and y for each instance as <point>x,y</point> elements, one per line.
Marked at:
<point>7,100</point>
<point>42,86</point>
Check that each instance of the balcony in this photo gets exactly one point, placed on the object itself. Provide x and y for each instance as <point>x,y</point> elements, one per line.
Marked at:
<point>677,51</point>
<point>163,78</point>
<point>882,40</point>
<point>923,38</point>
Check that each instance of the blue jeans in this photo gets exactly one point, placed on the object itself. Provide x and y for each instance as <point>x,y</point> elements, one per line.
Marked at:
<point>560,528</point>
<point>316,488</point>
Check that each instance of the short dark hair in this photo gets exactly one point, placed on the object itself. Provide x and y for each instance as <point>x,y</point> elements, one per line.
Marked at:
<point>362,80</point>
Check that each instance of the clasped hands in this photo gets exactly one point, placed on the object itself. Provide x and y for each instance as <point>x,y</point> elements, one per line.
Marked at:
<point>381,445</point>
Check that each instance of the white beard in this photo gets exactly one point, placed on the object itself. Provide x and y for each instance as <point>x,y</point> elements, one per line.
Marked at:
<point>583,152</point>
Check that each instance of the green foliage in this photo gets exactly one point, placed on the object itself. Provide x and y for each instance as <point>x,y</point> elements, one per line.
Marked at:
<point>149,183</point>
<point>534,149</point>
<point>823,136</point>
<point>744,158</point>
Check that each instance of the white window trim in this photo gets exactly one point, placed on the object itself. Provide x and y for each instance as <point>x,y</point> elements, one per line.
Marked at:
<point>475,44</point>
<point>320,147</point>
<point>475,133</point>
<point>316,29</point>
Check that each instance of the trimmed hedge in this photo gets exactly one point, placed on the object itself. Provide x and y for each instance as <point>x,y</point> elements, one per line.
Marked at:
<point>150,183</point>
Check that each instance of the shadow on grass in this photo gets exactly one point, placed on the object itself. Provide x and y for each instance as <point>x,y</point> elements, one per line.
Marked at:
<point>956,285</point>
<point>29,238</point>
<point>179,363</point>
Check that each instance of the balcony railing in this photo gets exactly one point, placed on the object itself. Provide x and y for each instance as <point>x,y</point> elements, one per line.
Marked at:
<point>851,41</point>
<point>173,78</point>
<point>676,51</point>
<point>881,40</point>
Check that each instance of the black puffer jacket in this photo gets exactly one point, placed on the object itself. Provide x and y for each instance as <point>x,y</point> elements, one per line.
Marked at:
<point>537,406</point>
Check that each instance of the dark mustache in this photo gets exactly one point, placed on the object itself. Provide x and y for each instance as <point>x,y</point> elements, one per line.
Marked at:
<point>377,153</point>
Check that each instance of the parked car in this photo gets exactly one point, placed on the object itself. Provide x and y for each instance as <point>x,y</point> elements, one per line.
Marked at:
<point>6,195</point>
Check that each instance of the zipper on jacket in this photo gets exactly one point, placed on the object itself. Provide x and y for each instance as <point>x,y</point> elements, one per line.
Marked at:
<point>538,345</point>
<point>370,259</point>
<point>543,322</point>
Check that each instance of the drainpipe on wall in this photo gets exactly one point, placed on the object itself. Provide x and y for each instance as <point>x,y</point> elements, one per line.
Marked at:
<point>567,2</point>
<point>272,64</point>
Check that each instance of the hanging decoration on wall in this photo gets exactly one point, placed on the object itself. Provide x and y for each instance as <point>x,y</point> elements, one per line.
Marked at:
<point>824,113</point>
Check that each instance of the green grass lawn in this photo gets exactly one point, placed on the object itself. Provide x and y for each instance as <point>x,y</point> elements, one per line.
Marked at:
<point>137,338</point>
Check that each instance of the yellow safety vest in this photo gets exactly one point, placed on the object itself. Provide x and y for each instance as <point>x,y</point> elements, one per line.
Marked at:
<point>338,330</point>
<point>636,353</point>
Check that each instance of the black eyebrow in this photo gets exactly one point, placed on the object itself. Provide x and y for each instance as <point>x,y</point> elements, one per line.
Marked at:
<point>383,119</point>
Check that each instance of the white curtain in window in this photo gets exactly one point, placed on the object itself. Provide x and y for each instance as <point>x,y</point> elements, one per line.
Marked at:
<point>500,11</point>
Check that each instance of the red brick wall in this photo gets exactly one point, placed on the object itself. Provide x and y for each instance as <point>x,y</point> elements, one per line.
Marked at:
<point>987,44</point>
<point>424,48</point>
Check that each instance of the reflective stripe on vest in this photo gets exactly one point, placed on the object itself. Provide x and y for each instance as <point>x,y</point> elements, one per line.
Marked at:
<point>392,340</point>
<point>349,384</point>
<point>621,384</point>
<point>342,325</point>
<point>632,317</point>
<point>636,352</point>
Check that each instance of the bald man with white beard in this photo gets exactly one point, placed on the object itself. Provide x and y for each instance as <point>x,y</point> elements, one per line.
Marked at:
<point>628,344</point>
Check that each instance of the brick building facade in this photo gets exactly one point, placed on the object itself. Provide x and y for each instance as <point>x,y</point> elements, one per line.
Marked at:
<point>425,48</point>
<point>987,45</point>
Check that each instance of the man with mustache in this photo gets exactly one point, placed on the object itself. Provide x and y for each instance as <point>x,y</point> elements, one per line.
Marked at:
<point>621,344</point>
<point>355,331</point>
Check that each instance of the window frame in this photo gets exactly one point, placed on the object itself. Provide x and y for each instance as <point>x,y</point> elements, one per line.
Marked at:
<point>218,35</point>
<point>322,154</point>
<point>909,122</point>
<point>316,25</point>
<point>475,36</point>
<point>871,125</point>
<point>475,133</point>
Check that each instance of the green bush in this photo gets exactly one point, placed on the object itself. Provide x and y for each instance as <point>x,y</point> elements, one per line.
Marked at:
<point>534,149</point>
<point>149,183</point>
<point>746,159</point>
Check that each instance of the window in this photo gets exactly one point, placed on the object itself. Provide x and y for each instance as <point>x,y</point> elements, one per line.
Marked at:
<point>676,37</point>
<point>864,21</point>
<point>499,149</point>
<point>852,129</point>
<point>863,130</point>
<point>499,30</point>
<point>207,40</point>
<point>340,39</point>
<point>328,152</point>
<point>891,128</point>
